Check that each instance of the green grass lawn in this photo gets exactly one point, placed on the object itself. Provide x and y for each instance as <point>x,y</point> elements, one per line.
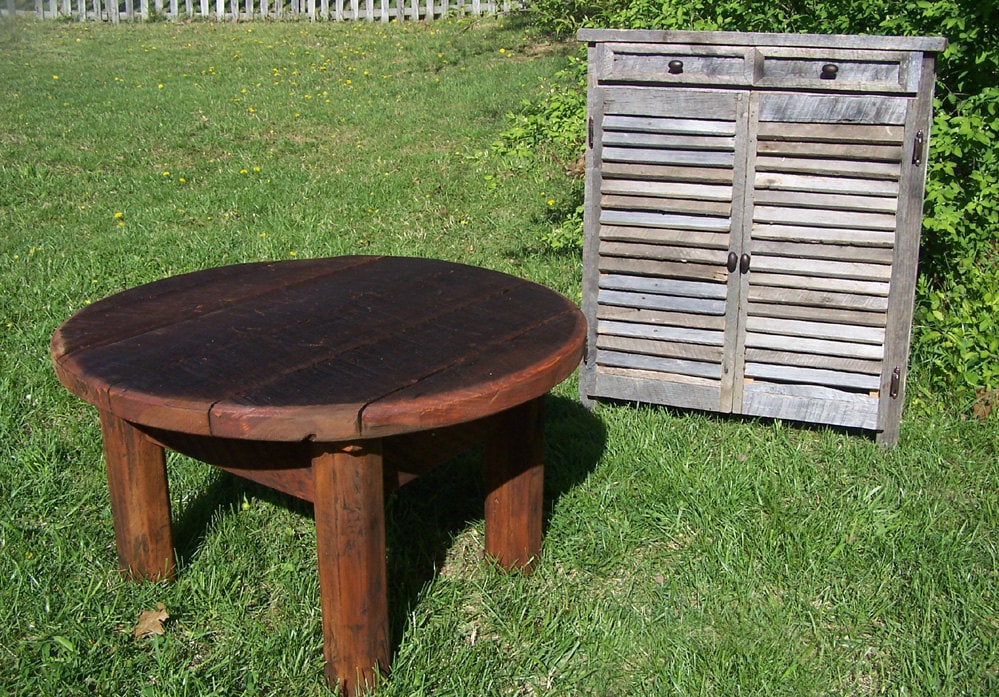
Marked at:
<point>684,554</point>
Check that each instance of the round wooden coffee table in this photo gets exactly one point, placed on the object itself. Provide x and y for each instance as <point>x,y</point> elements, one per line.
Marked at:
<point>331,380</point>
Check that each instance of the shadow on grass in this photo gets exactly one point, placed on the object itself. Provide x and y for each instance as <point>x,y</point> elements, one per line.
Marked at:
<point>423,517</point>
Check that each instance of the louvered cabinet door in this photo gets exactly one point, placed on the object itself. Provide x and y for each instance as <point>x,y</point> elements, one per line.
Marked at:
<point>825,172</point>
<point>666,166</point>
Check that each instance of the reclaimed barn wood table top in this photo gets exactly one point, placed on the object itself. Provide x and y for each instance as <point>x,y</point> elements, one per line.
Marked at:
<point>327,350</point>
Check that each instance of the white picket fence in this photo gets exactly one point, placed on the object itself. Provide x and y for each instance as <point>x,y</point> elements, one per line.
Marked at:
<point>240,10</point>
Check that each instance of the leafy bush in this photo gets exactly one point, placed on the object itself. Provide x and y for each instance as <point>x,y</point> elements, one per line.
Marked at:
<point>554,125</point>
<point>955,340</point>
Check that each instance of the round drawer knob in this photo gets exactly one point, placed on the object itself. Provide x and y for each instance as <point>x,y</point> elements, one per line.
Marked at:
<point>829,71</point>
<point>675,67</point>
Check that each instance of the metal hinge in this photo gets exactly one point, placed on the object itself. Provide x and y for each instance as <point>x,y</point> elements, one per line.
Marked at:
<point>917,148</point>
<point>896,378</point>
<point>589,132</point>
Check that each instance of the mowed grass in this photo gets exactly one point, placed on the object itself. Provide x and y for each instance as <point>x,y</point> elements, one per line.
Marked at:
<point>685,554</point>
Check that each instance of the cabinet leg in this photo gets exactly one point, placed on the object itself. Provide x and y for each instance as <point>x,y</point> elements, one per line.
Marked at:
<point>140,500</point>
<point>350,541</point>
<point>515,487</point>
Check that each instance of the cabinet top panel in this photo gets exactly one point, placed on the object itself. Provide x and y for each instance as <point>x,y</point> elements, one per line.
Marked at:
<point>928,44</point>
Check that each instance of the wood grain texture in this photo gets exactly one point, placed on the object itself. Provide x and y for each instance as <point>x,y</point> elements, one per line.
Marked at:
<point>627,313</point>
<point>731,38</point>
<point>904,268</point>
<point>140,500</point>
<point>350,543</point>
<point>657,388</point>
<point>252,351</point>
<point>813,404</point>
<point>515,487</point>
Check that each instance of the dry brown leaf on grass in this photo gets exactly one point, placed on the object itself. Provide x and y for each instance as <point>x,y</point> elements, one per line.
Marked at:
<point>985,403</point>
<point>151,622</point>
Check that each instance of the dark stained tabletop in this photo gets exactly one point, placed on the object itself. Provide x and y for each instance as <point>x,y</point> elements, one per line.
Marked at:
<point>326,349</point>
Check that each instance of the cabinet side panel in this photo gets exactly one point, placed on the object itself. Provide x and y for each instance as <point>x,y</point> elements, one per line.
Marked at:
<point>903,280</point>
<point>591,223</point>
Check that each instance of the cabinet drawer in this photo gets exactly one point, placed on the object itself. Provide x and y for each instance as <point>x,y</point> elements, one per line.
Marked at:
<point>823,69</point>
<point>669,64</point>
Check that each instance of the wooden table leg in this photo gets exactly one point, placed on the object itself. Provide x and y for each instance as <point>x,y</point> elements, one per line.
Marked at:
<point>515,486</point>
<point>140,500</point>
<point>350,541</point>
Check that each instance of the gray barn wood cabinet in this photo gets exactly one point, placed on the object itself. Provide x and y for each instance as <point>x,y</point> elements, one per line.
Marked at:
<point>752,219</point>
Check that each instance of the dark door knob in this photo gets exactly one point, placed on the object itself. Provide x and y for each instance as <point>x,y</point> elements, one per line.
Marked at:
<point>829,71</point>
<point>733,262</point>
<point>675,67</point>
<point>744,263</point>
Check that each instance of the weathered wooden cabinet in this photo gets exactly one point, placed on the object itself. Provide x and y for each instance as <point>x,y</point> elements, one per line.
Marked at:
<point>753,209</point>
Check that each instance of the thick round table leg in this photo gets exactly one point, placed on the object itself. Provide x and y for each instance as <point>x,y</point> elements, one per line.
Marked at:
<point>140,500</point>
<point>350,541</point>
<point>515,486</point>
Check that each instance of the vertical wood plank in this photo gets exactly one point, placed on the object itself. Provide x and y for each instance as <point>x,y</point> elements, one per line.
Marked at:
<point>741,241</point>
<point>591,221</point>
<point>904,265</point>
<point>350,542</point>
<point>140,500</point>
<point>515,486</point>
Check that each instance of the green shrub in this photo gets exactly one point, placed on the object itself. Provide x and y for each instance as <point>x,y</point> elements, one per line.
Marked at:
<point>955,338</point>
